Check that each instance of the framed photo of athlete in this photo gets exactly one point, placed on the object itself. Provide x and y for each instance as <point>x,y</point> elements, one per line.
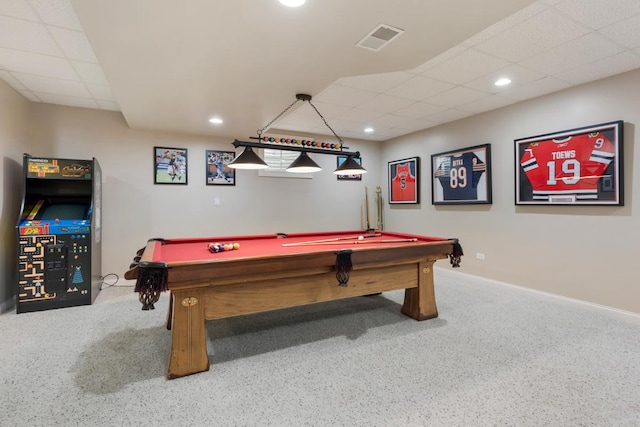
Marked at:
<point>349,177</point>
<point>218,171</point>
<point>580,166</point>
<point>404,181</point>
<point>461,177</point>
<point>170,165</point>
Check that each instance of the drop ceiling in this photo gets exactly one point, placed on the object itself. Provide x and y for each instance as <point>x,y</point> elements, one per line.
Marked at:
<point>170,66</point>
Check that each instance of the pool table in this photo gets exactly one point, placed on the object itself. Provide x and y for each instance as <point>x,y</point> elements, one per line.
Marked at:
<point>274,271</point>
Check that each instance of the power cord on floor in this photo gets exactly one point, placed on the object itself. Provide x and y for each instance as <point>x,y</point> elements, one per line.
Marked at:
<point>104,284</point>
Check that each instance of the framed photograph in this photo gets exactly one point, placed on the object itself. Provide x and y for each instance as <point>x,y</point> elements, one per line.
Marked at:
<point>404,179</point>
<point>340,161</point>
<point>461,177</point>
<point>170,165</point>
<point>218,170</point>
<point>580,166</point>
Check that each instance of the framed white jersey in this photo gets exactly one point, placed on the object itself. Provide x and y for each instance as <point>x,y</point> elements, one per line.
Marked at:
<point>576,167</point>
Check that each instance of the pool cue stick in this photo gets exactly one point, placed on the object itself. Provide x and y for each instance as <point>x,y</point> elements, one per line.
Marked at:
<point>366,202</point>
<point>413,239</point>
<point>356,242</point>
<point>334,239</point>
<point>379,206</point>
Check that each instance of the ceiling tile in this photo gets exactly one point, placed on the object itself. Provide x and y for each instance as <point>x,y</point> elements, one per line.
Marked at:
<point>517,74</point>
<point>343,95</point>
<point>465,67</point>
<point>572,54</point>
<point>31,63</point>
<point>534,89</point>
<point>74,44</point>
<point>90,72</point>
<point>505,24</point>
<point>11,81</point>
<point>543,31</point>
<point>385,104</point>
<point>57,12</point>
<point>106,105</point>
<point>101,92</point>
<point>52,86</point>
<point>17,9</point>
<point>598,13</point>
<point>627,32</point>
<point>26,36</point>
<point>418,88</point>
<point>378,83</point>
<point>616,64</point>
<point>457,96</point>
<point>444,56</point>
<point>419,110</point>
<point>67,100</point>
<point>359,115</point>
<point>391,120</point>
<point>449,115</point>
<point>487,103</point>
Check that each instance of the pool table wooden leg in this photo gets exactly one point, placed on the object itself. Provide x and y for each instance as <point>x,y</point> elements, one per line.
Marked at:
<point>188,339</point>
<point>420,302</point>
<point>170,313</point>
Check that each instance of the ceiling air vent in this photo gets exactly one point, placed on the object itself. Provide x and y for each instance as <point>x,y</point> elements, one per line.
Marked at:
<point>379,37</point>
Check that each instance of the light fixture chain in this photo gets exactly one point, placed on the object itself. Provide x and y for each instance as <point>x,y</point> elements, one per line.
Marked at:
<point>327,124</point>
<point>278,116</point>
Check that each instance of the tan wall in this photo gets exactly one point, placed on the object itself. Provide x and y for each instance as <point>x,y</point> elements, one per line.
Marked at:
<point>135,209</point>
<point>14,141</point>
<point>588,253</point>
<point>579,252</point>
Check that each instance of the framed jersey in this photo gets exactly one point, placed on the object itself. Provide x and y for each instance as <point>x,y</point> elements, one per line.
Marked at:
<point>580,166</point>
<point>404,181</point>
<point>461,177</point>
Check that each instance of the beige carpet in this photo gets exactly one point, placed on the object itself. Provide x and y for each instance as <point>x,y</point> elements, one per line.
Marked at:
<point>496,356</point>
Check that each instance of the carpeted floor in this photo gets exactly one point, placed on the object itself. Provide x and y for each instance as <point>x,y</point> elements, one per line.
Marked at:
<point>496,356</point>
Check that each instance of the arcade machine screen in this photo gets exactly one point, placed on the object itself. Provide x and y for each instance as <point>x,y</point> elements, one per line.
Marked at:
<point>54,259</point>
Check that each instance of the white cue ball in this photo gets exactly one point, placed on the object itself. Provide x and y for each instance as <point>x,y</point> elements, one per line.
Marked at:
<point>360,237</point>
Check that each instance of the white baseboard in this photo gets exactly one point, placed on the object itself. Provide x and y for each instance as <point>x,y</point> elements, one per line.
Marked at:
<point>628,315</point>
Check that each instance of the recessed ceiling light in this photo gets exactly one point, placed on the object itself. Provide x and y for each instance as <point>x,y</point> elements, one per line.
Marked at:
<point>292,3</point>
<point>368,130</point>
<point>502,82</point>
<point>216,120</point>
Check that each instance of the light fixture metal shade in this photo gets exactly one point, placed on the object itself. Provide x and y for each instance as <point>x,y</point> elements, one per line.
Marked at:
<point>248,159</point>
<point>303,164</point>
<point>350,167</point>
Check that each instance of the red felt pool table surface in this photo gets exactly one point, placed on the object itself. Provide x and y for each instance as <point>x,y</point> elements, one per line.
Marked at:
<point>176,251</point>
<point>270,272</point>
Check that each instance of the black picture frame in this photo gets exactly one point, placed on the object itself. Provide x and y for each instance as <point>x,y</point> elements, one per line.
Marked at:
<point>349,177</point>
<point>170,166</point>
<point>404,181</point>
<point>462,176</point>
<point>581,166</point>
<point>217,170</point>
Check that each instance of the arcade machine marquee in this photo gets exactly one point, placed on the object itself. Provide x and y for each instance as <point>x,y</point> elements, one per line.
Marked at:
<point>59,234</point>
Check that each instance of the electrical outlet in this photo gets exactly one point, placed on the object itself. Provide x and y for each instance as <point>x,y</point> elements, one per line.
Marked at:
<point>216,201</point>
<point>479,255</point>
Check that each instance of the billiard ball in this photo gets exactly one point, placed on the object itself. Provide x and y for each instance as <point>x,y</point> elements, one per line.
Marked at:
<point>236,246</point>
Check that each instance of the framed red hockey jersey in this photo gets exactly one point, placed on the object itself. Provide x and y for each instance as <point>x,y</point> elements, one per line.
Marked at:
<point>580,166</point>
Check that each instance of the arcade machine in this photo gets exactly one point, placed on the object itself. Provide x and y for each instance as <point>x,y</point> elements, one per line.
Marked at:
<point>59,242</point>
